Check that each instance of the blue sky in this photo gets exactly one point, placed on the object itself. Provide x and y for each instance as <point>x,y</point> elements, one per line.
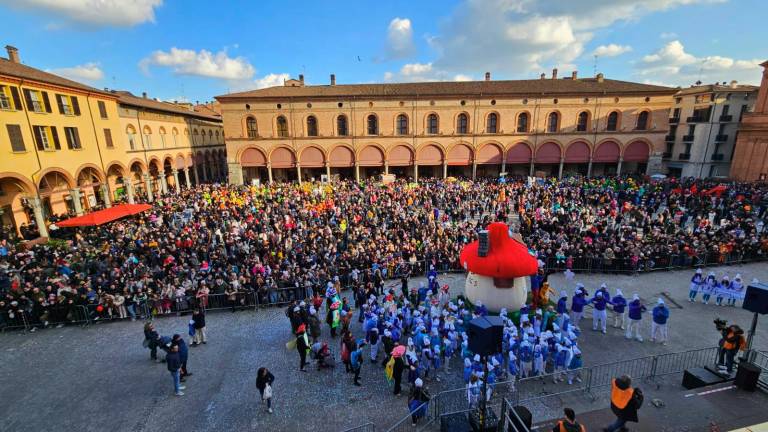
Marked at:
<point>194,50</point>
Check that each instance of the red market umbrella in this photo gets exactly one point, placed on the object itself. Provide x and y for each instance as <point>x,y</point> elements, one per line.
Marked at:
<point>104,216</point>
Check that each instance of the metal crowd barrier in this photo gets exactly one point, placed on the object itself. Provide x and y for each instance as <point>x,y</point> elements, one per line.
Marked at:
<point>368,427</point>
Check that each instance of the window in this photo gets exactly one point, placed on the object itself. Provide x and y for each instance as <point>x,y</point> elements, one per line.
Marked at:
<point>108,138</point>
<point>582,121</point>
<point>175,134</point>
<point>68,105</point>
<point>726,108</point>
<point>373,125</point>
<point>162,137</point>
<point>46,138</point>
<point>613,121</point>
<point>676,113</point>
<point>432,124</point>
<point>102,109</point>
<point>148,138</point>
<point>5,100</point>
<point>341,125</point>
<point>744,109</point>
<point>73,138</point>
<point>642,121</point>
<point>17,140</point>
<point>402,124</point>
<point>522,122</point>
<point>721,129</point>
<point>311,126</point>
<point>462,122</point>
<point>37,101</point>
<point>250,127</point>
<point>552,122</point>
<point>282,127</point>
<point>131,133</point>
<point>691,129</point>
<point>492,123</point>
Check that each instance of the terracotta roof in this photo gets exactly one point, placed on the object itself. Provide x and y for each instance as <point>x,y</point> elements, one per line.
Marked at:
<point>25,72</point>
<point>531,88</point>
<point>127,98</point>
<point>706,88</point>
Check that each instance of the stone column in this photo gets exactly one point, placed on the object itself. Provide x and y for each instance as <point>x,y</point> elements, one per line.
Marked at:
<point>328,170</point>
<point>148,186</point>
<point>298,171</point>
<point>186,177</point>
<point>176,183</point>
<point>37,210</point>
<point>105,194</point>
<point>357,172</point>
<point>386,167</point>
<point>474,170</point>
<point>129,191</point>
<point>195,169</point>
<point>75,194</point>
<point>503,165</point>
<point>415,173</point>
<point>163,182</point>
<point>560,170</point>
<point>618,167</point>
<point>589,168</point>
<point>445,169</point>
<point>532,169</point>
<point>236,174</point>
<point>269,171</point>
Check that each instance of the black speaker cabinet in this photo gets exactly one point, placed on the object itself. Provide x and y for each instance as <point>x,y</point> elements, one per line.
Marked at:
<point>747,376</point>
<point>485,335</point>
<point>756,298</point>
<point>523,415</point>
<point>491,422</point>
<point>455,423</point>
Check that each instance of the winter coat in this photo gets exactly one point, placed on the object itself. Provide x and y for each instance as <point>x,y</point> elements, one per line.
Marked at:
<point>619,304</point>
<point>262,381</point>
<point>199,320</point>
<point>577,304</point>
<point>636,310</point>
<point>314,326</point>
<point>173,361</point>
<point>660,314</point>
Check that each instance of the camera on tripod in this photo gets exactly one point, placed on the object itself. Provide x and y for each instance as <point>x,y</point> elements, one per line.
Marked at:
<point>720,324</point>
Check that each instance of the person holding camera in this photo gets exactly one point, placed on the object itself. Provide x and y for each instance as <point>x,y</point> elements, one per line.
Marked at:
<point>730,344</point>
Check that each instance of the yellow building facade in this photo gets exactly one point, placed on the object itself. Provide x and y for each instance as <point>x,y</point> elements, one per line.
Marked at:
<point>65,147</point>
<point>550,126</point>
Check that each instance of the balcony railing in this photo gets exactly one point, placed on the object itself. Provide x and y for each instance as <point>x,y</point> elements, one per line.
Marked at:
<point>726,118</point>
<point>687,137</point>
<point>684,156</point>
<point>721,137</point>
<point>674,120</point>
<point>669,138</point>
<point>695,119</point>
<point>666,155</point>
<point>717,157</point>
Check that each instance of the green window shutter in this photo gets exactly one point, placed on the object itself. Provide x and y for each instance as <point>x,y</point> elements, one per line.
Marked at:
<point>108,138</point>
<point>68,137</point>
<point>60,103</point>
<point>17,140</point>
<point>16,98</point>
<point>39,137</point>
<point>28,99</point>
<point>46,102</point>
<point>56,142</point>
<point>75,105</point>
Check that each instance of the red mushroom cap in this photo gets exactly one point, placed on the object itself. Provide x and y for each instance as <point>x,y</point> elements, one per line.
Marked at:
<point>507,258</point>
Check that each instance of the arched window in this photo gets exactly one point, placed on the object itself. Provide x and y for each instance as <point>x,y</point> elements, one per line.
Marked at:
<point>217,137</point>
<point>402,124</point>
<point>552,122</point>
<point>147,137</point>
<point>373,125</point>
<point>175,134</point>
<point>161,131</point>
<point>282,127</point>
<point>341,125</point>
<point>582,121</point>
<point>250,127</point>
<point>642,121</point>
<point>613,121</point>
<point>311,126</point>
<point>462,122</point>
<point>432,124</point>
<point>492,123</point>
<point>522,122</point>
<point>131,133</point>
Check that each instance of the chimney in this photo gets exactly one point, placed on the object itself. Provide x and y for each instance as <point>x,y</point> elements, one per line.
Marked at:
<point>333,79</point>
<point>144,95</point>
<point>301,78</point>
<point>733,83</point>
<point>13,53</point>
<point>554,73</point>
<point>574,75</point>
<point>487,76</point>
<point>542,75</point>
<point>599,77</point>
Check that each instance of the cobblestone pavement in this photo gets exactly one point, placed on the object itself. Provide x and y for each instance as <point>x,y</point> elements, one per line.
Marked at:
<point>100,378</point>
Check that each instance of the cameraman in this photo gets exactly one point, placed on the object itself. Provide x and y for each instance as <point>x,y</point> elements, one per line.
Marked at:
<point>730,344</point>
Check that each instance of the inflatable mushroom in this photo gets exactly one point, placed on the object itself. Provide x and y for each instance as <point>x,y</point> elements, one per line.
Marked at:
<point>498,275</point>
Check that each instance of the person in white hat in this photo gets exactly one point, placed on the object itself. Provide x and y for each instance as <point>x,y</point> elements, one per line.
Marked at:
<point>619,304</point>
<point>722,290</point>
<point>659,324</point>
<point>635,312</point>
<point>697,283</point>
<point>710,286</point>
<point>418,401</point>
<point>737,290</point>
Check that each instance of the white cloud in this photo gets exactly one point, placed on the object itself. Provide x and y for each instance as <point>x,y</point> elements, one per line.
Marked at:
<point>611,50</point>
<point>529,35</point>
<point>89,72</point>
<point>422,72</point>
<point>400,39</point>
<point>203,63</point>
<point>672,62</point>
<point>271,80</point>
<point>98,13</point>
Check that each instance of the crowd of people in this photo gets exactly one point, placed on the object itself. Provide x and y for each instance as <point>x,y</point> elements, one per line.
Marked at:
<point>271,244</point>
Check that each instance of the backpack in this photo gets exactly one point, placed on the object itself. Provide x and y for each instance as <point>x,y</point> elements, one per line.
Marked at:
<point>638,398</point>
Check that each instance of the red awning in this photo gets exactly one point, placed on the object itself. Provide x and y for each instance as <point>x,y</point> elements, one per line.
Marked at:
<point>104,216</point>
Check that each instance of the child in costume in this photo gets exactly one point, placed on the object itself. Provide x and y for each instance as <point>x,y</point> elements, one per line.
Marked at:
<point>697,283</point>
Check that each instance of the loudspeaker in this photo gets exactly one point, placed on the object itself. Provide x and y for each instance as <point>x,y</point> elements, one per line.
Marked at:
<point>756,298</point>
<point>485,335</point>
<point>700,377</point>
<point>455,423</point>
<point>747,376</point>
<point>525,416</point>
<point>491,421</point>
